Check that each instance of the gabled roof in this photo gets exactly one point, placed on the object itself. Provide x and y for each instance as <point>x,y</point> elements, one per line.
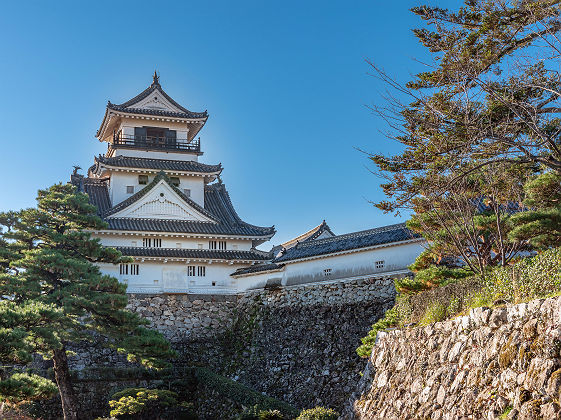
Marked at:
<point>251,255</point>
<point>350,241</point>
<point>160,177</point>
<point>155,164</point>
<point>128,106</point>
<point>310,235</point>
<point>134,106</point>
<point>217,205</point>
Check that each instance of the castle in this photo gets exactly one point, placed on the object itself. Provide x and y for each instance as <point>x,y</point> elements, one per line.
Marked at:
<point>173,215</point>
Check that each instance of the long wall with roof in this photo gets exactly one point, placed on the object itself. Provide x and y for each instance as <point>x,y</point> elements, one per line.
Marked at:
<point>383,261</point>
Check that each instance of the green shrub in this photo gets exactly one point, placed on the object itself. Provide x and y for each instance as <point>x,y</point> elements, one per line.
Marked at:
<point>136,403</point>
<point>241,394</point>
<point>318,413</point>
<point>529,278</point>
<point>435,312</point>
<point>394,317</point>
<point>256,413</point>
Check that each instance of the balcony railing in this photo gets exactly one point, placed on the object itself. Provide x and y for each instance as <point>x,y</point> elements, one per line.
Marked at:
<point>150,142</point>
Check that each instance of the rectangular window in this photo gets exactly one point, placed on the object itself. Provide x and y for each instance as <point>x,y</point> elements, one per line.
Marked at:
<point>327,272</point>
<point>174,181</point>
<point>191,270</point>
<point>178,245</point>
<point>133,243</point>
<point>212,245</point>
<point>143,179</point>
<point>130,189</point>
<point>200,246</point>
<point>201,271</point>
<point>214,283</point>
<point>125,269</point>
<point>379,264</point>
<point>222,245</point>
<point>151,242</point>
<point>187,192</point>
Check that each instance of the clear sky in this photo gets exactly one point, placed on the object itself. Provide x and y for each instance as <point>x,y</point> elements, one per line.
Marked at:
<point>285,83</point>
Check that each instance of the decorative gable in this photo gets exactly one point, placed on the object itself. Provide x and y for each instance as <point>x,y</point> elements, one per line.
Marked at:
<point>155,101</point>
<point>162,202</point>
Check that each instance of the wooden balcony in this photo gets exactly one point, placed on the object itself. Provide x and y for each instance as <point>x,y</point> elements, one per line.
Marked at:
<point>155,143</point>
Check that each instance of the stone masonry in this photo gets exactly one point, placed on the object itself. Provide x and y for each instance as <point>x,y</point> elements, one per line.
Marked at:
<point>493,363</point>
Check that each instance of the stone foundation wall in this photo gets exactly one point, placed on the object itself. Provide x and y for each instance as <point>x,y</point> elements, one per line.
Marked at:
<point>296,344</point>
<point>490,363</point>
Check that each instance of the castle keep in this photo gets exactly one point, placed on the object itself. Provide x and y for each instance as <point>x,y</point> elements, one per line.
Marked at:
<point>173,215</point>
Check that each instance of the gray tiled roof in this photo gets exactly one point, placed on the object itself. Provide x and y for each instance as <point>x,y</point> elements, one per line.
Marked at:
<point>157,164</point>
<point>257,268</point>
<point>217,205</point>
<point>146,111</point>
<point>349,241</point>
<point>128,105</point>
<point>251,255</point>
<point>98,193</point>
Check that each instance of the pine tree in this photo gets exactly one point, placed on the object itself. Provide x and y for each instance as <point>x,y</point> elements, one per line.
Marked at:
<point>540,225</point>
<point>50,273</point>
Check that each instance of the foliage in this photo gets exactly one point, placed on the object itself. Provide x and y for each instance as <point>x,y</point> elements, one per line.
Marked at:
<point>241,394</point>
<point>255,413</point>
<point>529,278</point>
<point>435,312</point>
<point>490,97</point>
<point>134,403</point>
<point>394,317</point>
<point>430,271</point>
<point>541,224</point>
<point>318,413</point>
<point>23,387</point>
<point>52,293</point>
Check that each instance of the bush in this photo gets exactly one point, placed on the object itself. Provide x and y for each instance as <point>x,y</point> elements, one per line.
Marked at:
<point>395,317</point>
<point>137,403</point>
<point>255,413</point>
<point>318,413</point>
<point>241,394</point>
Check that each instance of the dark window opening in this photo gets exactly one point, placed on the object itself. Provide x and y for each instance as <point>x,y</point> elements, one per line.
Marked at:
<point>174,181</point>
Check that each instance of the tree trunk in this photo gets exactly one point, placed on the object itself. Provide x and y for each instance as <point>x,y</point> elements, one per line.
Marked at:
<point>62,377</point>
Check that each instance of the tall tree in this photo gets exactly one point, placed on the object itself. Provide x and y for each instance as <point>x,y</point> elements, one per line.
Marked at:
<point>491,95</point>
<point>51,270</point>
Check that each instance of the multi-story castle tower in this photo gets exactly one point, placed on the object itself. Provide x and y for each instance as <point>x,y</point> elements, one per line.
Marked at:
<point>165,209</point>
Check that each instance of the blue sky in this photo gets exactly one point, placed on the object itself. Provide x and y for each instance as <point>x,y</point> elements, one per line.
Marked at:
<point>285,83</point>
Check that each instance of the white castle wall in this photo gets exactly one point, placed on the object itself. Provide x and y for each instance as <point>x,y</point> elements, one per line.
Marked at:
<point>120,180</point>
<point>351,265</point>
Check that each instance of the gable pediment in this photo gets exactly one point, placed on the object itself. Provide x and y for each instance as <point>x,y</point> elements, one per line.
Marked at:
<point>155,101</point>
<point>163,203</point>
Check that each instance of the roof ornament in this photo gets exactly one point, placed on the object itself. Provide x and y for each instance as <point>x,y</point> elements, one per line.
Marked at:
<point>156,78</point>
<point>76,169</point>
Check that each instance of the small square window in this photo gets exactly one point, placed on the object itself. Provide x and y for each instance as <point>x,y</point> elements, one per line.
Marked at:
<point>327,272</point>
<point>130,189</point>
<point>174,181</point>
<point>200,246</point>
<point>178,245</point>
<point>187,192</point>
<point>214,283</point>
<point>156,281</point>
<point>380,264</point>
<point>143,179</point>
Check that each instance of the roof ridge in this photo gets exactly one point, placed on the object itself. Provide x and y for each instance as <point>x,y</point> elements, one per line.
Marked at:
<point>154,86</point>
<point>380,229</point>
